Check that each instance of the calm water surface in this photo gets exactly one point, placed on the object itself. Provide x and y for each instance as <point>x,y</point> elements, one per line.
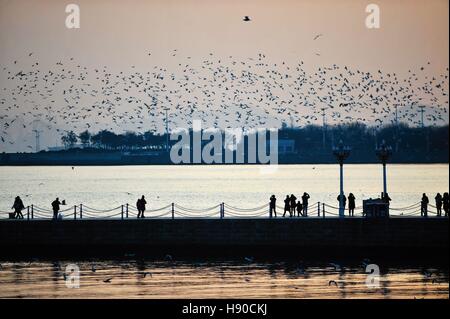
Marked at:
<point>217,279</point>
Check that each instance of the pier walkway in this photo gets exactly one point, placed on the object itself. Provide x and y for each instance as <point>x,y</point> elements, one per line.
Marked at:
<point>219,211</point>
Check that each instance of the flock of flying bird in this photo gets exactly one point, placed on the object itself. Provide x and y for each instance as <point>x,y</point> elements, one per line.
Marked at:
<point>221,91</point>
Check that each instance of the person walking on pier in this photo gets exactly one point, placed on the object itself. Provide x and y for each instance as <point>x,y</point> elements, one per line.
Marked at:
<point>292,205</point>
<point>445,203</point>
<point>424,205</point>
<point>351,204</point>
<point>299,209</point>
<point>140,205</point>
<point>287,207</point>
<point>305,199</point>
<point>18,206</point>
<point>273,206</point>
<point>55,206</point>
<point>438,200</point>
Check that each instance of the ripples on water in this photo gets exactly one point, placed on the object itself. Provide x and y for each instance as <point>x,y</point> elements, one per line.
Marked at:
<point>216,279</point>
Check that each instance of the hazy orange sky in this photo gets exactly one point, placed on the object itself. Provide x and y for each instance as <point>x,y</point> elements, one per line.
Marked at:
<point>120,34</point>
<point>116,32</point>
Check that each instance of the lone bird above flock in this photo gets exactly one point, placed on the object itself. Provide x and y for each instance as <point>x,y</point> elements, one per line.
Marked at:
<point>247,19</point>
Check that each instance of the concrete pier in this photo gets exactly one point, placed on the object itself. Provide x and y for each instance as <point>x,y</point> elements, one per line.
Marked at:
<point>349,236</point>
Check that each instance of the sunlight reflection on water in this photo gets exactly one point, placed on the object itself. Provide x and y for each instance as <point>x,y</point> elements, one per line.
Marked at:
<point>216,279</point>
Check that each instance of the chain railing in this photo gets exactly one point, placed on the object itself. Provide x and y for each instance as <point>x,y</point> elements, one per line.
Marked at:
<point>221,211</point>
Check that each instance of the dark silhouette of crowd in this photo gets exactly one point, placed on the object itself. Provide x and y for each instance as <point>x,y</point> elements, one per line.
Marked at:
<point>299,208</point>
<point>291,205</point>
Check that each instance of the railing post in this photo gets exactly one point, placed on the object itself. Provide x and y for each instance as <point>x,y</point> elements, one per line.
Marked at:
<point>32,211</point>
<point>126,210</point>
<point>173,211</point>
<point>81,211</point>
<point>223,210</point>
<point>318,209</point>
<point>323,210</point>
<point>28,212</point>
<point>75,212</point>
<point>121,215</point>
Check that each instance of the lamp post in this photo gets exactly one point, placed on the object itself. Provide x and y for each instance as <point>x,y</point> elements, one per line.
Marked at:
<point>383,153</point>
<point>341,152</point>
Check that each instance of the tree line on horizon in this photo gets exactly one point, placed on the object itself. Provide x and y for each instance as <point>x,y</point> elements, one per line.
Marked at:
<point>401,137</point>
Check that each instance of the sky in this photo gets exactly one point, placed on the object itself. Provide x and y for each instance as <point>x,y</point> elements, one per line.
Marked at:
<point>202,37</point>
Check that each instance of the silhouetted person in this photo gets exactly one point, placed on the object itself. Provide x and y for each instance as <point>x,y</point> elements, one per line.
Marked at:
<point>273,205</point>
<point>351,204</point>
<point>305,199</point>
<point>299,209</point>
<point>344,201</point>
<point>292,205</point>
<point>385,197</point>
<point>445,203</point>
<point>18,206</point>
<point>287,207</point>
<point>438,200</point>
<point>140,205</point>
<point>55,205</point>
<point>424,205</point>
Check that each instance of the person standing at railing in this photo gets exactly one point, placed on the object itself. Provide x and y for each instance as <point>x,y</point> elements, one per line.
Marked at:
<point>424,205</point>
<point>438,200</point>
<point>56,206</point>
<point>18,207</point>
<point>140,205</point>
<point>292,205</point>
<point>273,205</point>
<point>305,199</point>
<point>351,205</point>
<point>299,209</point>
<point>287,207</point>
<point>445,203</point>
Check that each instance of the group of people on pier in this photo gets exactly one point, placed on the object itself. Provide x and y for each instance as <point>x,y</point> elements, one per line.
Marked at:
<point>291,205</point>
<point>442,202</point>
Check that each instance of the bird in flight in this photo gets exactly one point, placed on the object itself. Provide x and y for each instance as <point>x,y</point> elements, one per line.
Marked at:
<point>246,19</point>
<point>317,36</point>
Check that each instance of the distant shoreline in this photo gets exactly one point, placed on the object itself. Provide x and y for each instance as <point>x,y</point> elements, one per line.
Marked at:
<point>101,157</point>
